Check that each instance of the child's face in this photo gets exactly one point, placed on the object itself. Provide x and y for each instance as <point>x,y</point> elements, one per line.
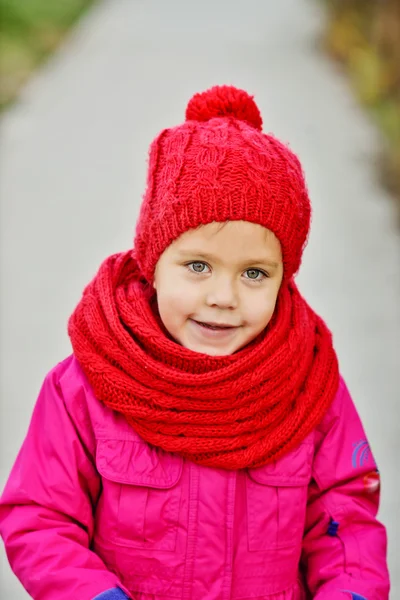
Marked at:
<point>219,275</point>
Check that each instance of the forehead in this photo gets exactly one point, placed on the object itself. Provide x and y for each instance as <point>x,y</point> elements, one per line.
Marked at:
<point>242,236</point>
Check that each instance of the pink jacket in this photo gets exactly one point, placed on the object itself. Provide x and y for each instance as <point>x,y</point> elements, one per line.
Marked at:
<point>92,511</point>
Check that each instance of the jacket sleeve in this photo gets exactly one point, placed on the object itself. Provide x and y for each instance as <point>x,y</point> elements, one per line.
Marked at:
<point>46,511</point>
<point>344,546</point>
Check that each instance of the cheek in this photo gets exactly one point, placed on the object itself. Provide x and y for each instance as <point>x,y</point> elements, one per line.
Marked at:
<point>258,311</point>
<point>177,302</point>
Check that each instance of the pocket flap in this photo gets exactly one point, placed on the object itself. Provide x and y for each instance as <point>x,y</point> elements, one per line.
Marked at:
<point>292,470</point>
<point>137,463</point>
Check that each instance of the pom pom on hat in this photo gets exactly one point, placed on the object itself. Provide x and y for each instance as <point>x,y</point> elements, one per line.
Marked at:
<point>224,101</point>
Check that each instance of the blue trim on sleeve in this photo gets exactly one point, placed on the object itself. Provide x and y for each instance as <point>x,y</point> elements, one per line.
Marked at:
<point>353,595</point>
<point>113,594</point>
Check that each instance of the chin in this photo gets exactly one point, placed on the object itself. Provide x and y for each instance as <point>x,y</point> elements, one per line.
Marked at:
<point>217,352</point>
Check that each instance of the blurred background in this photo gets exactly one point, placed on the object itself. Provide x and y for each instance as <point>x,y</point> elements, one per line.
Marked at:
<point>85,85</point>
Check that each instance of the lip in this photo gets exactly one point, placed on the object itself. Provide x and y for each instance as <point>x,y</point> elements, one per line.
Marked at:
<point>217,325</point>
<point>222,331</point>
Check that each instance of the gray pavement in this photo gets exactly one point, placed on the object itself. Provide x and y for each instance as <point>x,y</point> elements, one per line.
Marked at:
<point>73,172</point>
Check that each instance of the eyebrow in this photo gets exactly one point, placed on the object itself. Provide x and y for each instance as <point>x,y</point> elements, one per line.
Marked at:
<point>211,258</point>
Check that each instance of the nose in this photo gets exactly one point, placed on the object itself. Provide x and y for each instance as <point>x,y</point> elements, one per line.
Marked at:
<point>222,294</point>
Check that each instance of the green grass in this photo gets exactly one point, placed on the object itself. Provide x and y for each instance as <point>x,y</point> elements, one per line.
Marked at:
<point>29,31</point>
<point>364,35</point>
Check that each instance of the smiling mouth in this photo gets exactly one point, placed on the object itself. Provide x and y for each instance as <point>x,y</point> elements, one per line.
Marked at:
<point>215,326</point>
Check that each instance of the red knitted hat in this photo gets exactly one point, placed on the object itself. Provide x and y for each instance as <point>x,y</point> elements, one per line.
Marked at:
<point>219,166</point>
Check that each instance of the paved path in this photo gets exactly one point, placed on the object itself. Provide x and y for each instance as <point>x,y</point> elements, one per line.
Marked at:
<point>73,170</point>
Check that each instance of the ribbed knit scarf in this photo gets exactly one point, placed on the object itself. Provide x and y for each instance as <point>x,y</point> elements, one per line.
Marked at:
<point>232,412</point>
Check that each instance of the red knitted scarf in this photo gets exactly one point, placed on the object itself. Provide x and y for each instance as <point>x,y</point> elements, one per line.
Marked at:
<point>232,412</point>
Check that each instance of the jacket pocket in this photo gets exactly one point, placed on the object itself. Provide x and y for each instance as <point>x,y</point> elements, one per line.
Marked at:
<point>277,499</point>
<point>140,501</point>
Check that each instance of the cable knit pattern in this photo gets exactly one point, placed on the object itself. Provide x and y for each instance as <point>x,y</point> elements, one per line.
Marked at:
<point>236,411</point>
<point>219,166</point>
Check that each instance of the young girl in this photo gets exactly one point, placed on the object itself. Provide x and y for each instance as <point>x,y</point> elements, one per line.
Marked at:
<point>200,442</point>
